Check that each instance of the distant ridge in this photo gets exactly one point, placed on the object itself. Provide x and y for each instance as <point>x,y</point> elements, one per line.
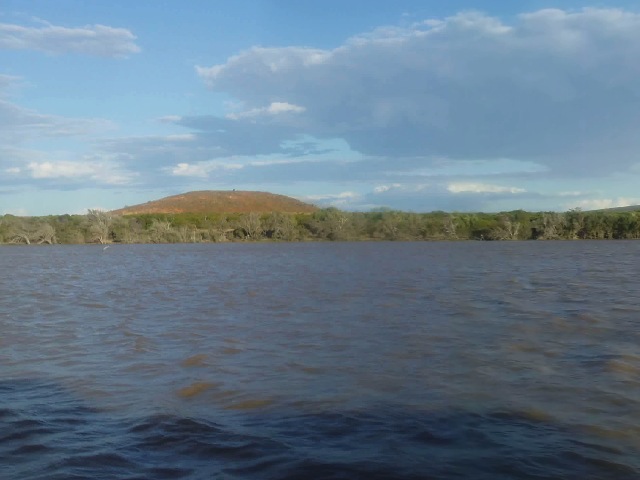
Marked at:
<point>221,201</point>
<point>630,208</point>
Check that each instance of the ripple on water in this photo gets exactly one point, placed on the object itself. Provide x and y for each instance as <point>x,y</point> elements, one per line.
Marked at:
<point>627,365</point>
<point>250,404</point>
<point>197,360</point>
<point>195,389</point>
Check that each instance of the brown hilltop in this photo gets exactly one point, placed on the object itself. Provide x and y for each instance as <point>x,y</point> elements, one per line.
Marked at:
<point>220,201</point>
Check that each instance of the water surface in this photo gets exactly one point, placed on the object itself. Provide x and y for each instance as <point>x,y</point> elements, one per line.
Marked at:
<point>480,360</point>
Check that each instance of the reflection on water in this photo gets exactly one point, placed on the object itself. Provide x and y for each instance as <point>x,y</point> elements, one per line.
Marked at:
<point>356,360</point>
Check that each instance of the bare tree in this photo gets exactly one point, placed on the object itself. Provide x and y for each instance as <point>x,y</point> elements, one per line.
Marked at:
<point>252,225</point>
<point>21,237</point>
<point>99,225</point>
<point>507,229</point>
<point>22,231</point>
<point>449,227</point>
<point>45,233</point>
<point>162,232</point>
<point>280,226</point>
<point>390,225</point>
<point>552,225</point>
<point>331,224</point>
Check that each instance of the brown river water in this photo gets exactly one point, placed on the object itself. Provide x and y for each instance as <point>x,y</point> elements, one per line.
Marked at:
<point>469,360</point>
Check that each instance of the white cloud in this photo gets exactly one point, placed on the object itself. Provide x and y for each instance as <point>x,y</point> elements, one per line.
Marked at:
<point>99,40</point>
<point>189,170</point>
<point>333,196</point>
<point>170,119</point>
<point>408,188</point>
<point>465,187</point>
<point>600,203</point>
<point>274,108</point>
<point>185,137</point>
<point>60,169</point>
<point>344,200</point>
<point>202,169</point>
<point>385,188</point>
<point>272,61</point>
<point>283,107</point>
<point>99,172</point>
<point>270,162</point>
<point>554,87</point>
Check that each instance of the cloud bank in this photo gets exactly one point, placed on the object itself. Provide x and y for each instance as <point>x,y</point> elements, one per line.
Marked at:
<point>555,87</point>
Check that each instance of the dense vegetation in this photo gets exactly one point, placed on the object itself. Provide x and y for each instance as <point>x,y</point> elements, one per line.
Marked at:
<point>325,224</point>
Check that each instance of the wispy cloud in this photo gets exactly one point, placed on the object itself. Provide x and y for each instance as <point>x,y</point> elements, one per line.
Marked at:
<point>482,188</point>
<point>18,123</point>
<point>274,108</point>
<point>97,40</point>
<point>341,200</point>
<point>7,81</point>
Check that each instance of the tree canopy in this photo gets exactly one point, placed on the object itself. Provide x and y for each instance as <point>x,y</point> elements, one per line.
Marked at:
<point>328,224</point>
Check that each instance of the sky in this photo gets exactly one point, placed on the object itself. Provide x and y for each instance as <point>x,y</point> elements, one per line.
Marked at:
<point>416,105</point>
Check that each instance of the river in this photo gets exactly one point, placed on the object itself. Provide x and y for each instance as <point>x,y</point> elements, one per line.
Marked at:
<point>478,360</point>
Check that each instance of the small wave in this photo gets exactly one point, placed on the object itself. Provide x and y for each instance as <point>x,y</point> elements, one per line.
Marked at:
<point>195,389</point>
<point>195,360</point>
<point>31,449</point>
<point>231,350</point>
<point>252,404</point>
<point>627,366</point>
<point>107,460</point>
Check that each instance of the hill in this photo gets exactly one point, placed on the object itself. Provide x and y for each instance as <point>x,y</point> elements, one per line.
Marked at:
<point>220,201</point>
<point>630,208</point>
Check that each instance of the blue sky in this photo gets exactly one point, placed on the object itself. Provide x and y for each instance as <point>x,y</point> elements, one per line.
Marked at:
<point>414,105</point>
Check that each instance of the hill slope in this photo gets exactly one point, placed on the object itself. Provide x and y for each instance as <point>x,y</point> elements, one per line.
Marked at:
<point>210,201</point>
<point>630,208</point>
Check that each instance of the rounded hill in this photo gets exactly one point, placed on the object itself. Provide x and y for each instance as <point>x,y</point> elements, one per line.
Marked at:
<point>212,201</point>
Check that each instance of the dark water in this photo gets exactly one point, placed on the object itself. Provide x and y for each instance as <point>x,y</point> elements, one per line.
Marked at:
<point>474,360</point>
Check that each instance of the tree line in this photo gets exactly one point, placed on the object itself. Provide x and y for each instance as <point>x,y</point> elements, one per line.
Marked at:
<point>325,224</point>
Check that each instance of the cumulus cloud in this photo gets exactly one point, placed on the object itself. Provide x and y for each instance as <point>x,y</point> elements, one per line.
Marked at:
<point>59,169</point>
<point>554,87</point>
<point>189,170</point>
<point>97,40</point>
<point>101,172</point>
